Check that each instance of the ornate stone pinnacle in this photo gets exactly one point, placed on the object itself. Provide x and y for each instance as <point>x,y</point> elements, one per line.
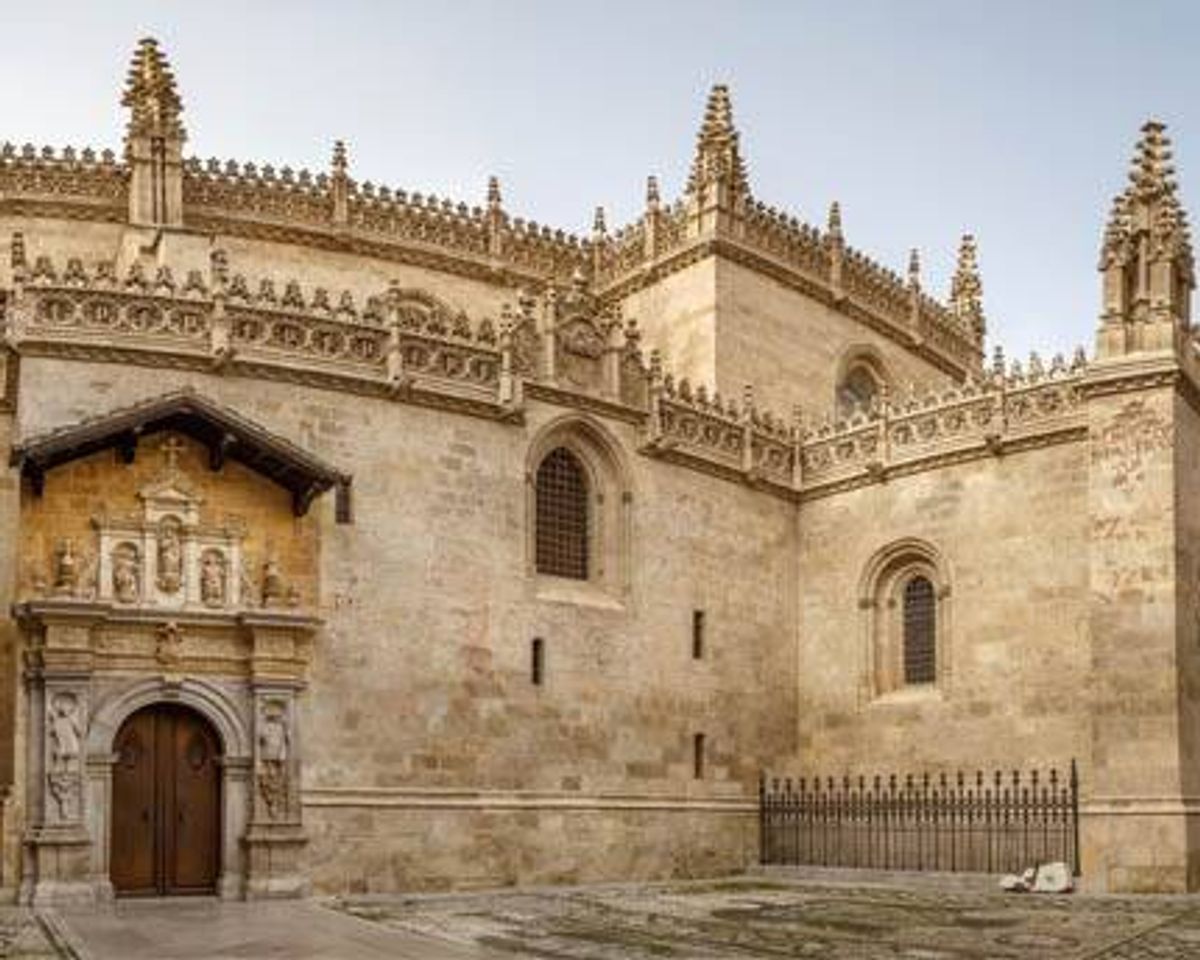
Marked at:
<point>652,198</point>
<point>914,268</point>
<point>341,163</point>
<point>1151,173</point>
<point>599,229</point>
<point>718,159</point>
<point>493,193</point>
<point>966,288</point>
<point>834,223</point>
<point>150,94</point>
<point>1146,253</point>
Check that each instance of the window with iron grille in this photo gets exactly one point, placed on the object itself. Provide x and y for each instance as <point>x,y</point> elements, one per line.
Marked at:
<point>920,631</point>
<point>562,516</point>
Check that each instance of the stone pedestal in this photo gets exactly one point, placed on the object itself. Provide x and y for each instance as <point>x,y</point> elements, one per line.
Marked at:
<point>273,861</point>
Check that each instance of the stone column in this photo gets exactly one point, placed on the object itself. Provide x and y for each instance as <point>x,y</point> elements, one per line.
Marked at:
<point>1135,818</point>
<point>274,839</point>
<point>57,843</point>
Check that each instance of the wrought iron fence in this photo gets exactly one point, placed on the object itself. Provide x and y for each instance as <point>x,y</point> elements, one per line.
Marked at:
<point>1002,822</point>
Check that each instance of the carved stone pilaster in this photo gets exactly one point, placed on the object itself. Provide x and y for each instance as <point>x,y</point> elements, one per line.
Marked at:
<point>57,842</point>
<point>275,838</point>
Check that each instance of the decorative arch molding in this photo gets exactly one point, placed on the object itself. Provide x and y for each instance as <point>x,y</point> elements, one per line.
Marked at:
<point>421,299</point>
<point>206,698</point>
<point>880,600</point>
<point>610,501</point>
<point>587,438</point>
<point>858,357</point>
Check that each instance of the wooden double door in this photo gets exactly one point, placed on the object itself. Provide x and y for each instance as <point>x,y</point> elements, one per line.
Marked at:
<point>166,804</point>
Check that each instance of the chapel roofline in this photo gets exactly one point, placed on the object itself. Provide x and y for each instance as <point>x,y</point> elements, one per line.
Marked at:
<point>226,434</point>
<point>716,215</point>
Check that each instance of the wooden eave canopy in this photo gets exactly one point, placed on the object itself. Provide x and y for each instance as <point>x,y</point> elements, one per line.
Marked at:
<point>223,432</point>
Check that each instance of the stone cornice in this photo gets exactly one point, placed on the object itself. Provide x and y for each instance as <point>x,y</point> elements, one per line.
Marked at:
<point>90,612</point>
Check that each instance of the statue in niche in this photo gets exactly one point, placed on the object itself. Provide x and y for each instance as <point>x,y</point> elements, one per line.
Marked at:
<point>274,590</point>
<point>65,733</point>
<point>66,569</point>
<point>125,575</point>
<point>212,579</point>
<point>170,557</point>
<point>273,749</point>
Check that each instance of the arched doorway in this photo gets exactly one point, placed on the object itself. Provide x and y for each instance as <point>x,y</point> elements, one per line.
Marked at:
<point>166,804</point>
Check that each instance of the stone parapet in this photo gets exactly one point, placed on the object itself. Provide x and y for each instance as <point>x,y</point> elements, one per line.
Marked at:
<point>666,240</point>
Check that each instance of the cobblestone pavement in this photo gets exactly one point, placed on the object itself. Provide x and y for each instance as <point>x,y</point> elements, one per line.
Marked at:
<point>771,917</point>
<point>22,937</point>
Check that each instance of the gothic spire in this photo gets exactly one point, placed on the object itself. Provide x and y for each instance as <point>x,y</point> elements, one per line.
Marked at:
<point>1146,253</point>
<point>150,94</point>
<point>1151,201</point>
<point>718,160</point>
<point>966,289</point>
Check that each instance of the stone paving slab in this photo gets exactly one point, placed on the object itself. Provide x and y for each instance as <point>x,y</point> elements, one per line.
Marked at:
<point>778,917</point>
<point>208,929</point>
<point>22,936</point>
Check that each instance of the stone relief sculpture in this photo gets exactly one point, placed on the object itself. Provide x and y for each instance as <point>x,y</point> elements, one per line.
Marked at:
<point>273,750</point>
<point>170,556</point>
<point>274,590</point>
<point>126,576</point>
<point>212,579</point>
<point>66,569</point>
<point>64,732</point>
<point>169,641</point>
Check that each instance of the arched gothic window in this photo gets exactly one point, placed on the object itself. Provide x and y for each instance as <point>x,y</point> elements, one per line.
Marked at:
<point>920,631</point>
<point>562,534</point>
<point>857,391</point>
<point>905,598</point>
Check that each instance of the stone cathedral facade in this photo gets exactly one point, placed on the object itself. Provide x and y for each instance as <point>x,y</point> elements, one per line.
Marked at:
<point>358,540</point>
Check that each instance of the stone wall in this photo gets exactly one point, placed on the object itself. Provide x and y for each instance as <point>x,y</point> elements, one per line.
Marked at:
<point>420,680</point>
<point>1011,537</point>
<point>792,348</point>
<point>1187,568</point>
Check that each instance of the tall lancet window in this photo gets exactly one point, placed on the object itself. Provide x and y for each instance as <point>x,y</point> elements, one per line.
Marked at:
<point>920,631</point>
<point>562,516</point>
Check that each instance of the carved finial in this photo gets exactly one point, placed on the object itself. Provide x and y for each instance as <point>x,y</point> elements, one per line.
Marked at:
<point>341,163</point>
<point>1151,174</point>
<point>717,159</point>
<point>834,224</point>
<point>1146,254</point>
<point>171,448</point>
<point>966,290</point>
<point>493,193</point>
<point>599,229</point>
<point>998,361</point>
<point>150,94</point>
<point>656,366</point>
<point>652,197</point>
<point>914,268</point>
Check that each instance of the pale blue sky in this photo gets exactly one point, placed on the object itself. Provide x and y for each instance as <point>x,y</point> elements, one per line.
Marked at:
<point>925,118</point>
